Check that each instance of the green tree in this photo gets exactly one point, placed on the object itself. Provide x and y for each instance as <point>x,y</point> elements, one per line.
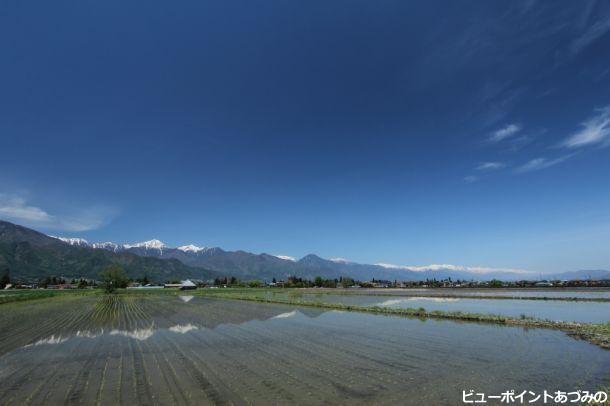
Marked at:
<point>113,277</point>
<point>319,282</point>
<point>6,279</point>
<point>494,283</point>
<point>347,282</point>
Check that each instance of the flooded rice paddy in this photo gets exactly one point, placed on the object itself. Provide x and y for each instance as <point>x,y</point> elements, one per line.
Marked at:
<point>581,293</point>
<point>582,312</point>
<point>166,349</point>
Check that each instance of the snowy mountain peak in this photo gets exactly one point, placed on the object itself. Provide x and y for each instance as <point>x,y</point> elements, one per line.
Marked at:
<point>151,244</point>
<point>191,248</point>
<point>286,258</point>
<point>79,242</point>
<point>110,246</point>
<point>340,261</point>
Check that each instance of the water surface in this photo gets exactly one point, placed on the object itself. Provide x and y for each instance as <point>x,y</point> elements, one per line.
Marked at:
<point>584,293</point>
<point>584,312</point>
<point>192,350</point>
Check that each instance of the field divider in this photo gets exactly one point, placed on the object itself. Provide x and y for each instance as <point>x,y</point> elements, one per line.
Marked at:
<point>598,334</point>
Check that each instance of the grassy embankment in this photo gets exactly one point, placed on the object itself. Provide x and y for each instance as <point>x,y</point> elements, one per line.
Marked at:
<point>25,295</point>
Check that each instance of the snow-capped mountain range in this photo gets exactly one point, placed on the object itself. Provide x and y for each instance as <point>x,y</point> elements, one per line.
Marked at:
<point>78,242</point>
<point>34,256</point>
<point>153,244</point>
<point>246,265</point>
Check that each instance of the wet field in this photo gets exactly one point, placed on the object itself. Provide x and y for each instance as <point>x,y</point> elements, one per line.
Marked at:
<point>166,349</point>
<point>578,311</point>
<point>583,293</point>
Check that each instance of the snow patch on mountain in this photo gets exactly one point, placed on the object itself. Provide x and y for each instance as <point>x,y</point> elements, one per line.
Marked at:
<point>449,267</point>
<point>286,258</point>
<point>151,244</point>
<point>191,248</point>
<point>109,246</point>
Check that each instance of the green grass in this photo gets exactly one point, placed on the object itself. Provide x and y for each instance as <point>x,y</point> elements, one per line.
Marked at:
<point>25,295</point>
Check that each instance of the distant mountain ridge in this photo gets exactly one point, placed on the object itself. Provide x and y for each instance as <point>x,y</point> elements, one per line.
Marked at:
<point>29,255</point>
<point>245,265</point>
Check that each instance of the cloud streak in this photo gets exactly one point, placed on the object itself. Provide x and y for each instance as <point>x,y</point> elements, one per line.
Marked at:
<point>18,210</point>
<point>504,132</point>
<point>595,130</point>
<point>490,166</point>
<point>594,32</point>
<point>537,164</point>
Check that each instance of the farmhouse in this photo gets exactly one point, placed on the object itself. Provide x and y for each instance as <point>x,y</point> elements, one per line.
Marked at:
<point>184,285</point>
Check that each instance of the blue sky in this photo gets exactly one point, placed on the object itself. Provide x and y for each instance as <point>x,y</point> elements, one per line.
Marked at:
<point>471,133</point>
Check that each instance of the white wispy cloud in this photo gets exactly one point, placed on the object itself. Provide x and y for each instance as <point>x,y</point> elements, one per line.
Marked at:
<point>537,164</point>
<point>470,179</point>
<point>438,267</point>
<point>286,257</point>
<point>341,260</point>
<point>490,166</point>
<point>593,32</point>
<point>595,130</point>
<point>16,209</point>
<point>504,132</point>
<point>86,219</point>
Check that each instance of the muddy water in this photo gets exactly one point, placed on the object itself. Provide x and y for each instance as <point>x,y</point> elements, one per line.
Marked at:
<point>192,350</point>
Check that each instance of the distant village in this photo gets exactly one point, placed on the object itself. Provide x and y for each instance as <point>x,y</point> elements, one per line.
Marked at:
<point>441,283</point>
<point>295,282</point>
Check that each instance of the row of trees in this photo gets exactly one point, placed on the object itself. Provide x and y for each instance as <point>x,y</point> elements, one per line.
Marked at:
<point>226,281</point>
<point>319,282</point>
<point>291,282</point>
<point>111,278</point>
<point>114,277</point>
<point>81,283</point>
